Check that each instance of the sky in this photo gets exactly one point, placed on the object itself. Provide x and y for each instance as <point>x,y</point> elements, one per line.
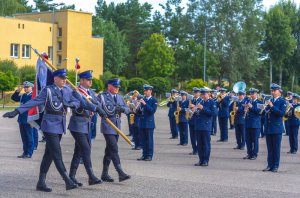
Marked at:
<point>89,5</point>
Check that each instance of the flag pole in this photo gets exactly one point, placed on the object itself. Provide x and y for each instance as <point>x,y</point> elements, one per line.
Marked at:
<point>76,89</point>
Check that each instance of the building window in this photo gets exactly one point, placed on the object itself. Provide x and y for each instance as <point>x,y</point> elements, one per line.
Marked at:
<point>25,51</point>
<point>14,50</point>
<point>50,29</point>
<point>23,26</point>
<point>59,59</point>
<point>59,32</point>
<point>50,51</point>
<point>19,25</point>
<point>59,45</point>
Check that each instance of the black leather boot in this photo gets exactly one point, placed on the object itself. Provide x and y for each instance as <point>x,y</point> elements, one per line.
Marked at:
<point>122,176</point>
<point>72,177</point>
<point>92,178</point>
<point>105,176</point>
<point>69,183</point>
<point>41,185</point>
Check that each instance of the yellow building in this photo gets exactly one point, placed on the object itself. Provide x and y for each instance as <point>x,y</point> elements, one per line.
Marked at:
<point>71,35</point>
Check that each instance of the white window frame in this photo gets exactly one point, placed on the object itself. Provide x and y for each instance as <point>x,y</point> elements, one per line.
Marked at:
<point>50,52</point>
<point>26,52</point>
<point>13,52</point>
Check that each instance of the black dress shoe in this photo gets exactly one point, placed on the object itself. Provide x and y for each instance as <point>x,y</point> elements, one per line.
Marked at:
<point>184,145</point>
<point>198,164</point>
<point>225,140</point>
<point>193,153</point>
<point>21,156</point>
<point>204,164</point>
<point>246,157</point>
<point>237,147</point>
<point>26,156</point>
<point>220,140</point>
<point>179,144</point>
<point>274,170</point>
<point>148,159</point>
<point>242,148</point>
<point>141,158</point>
<point>253,158</point>
<point>267,169</point>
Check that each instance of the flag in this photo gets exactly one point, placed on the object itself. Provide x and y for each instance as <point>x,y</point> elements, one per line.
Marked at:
<point>43,78</point>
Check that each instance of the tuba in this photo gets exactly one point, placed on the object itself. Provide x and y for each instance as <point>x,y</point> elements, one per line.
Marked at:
<point>239,86</point>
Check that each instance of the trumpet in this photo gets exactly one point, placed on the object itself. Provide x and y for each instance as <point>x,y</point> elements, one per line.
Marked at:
<point>169,97</point>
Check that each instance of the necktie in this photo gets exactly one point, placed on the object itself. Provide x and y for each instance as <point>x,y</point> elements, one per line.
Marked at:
<point>115,98</point>
<point>88,92</point>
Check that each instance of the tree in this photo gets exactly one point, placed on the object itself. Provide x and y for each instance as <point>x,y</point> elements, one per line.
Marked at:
<point>98,85</point>
<point>136,84</point>
<point>161,85</point>
<point>10,7</point>
<point>9,65</point>
<point>195,83</point>
<point>156,58</point>
<point>115,46</point>
<point>7,83</point>
<point>279,43</point>
<point>46,5</point>
<point>27,73</point>
<point>134,20</point>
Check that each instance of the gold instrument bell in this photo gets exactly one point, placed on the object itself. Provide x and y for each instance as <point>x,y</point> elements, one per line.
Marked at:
<point>297,112</point>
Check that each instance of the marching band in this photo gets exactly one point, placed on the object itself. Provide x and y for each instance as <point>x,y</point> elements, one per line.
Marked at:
<point>196,115</point>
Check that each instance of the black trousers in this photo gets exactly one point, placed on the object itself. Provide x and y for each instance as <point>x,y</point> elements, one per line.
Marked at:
<point>52,153</point>
<point>111,150</point>
<point>82,149</point>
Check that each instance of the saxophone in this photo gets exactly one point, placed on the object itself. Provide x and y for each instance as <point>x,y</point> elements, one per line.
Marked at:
<point>135,94</point>
<point>233,113</point>
<point>176,113</point>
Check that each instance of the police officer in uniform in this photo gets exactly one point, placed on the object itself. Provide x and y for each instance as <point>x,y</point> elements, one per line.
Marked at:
<point>253,124</point>
<point>79,125</point>
<point>183,121</point>
<point>56,98</point>
<point>114,105</point>
<point>148,109</point>
<point>275,111</point>
<point>172,108</point>
<point>293,125</point>
<point>223,115</point>
<point>26,130</point>
<point>239,121</point>
<point>203,127</point>
<point>196,100</point>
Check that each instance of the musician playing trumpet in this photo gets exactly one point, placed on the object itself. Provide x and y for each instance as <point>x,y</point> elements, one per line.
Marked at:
<point>172,104</point>
<point>293,123</point>
<point>289,99</point>
<point>196,100</point>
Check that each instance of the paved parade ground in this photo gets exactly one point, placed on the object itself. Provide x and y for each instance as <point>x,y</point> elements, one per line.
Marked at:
<point>171,173</point>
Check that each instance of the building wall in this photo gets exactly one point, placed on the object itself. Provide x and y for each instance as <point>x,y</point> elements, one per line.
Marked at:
<point>36,34</point>
<point>77,40</point>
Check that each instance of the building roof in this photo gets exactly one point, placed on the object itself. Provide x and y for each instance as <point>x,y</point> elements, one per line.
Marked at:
<point>67,10</point>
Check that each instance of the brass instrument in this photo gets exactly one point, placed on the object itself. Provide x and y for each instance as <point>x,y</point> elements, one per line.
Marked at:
<point>188,111</point>
<point>297,112</point>
<point>176,113</point>
<point>286,114</point>
<point>239,86</point>
<point>130,97</point>
<point>169,97</point>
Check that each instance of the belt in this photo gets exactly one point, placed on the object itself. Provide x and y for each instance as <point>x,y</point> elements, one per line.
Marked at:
<point>55,112</point>
<point>114,116</point>
<point>81,115</point>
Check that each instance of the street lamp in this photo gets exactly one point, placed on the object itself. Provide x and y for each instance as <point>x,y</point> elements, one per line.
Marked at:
<point>54,5</point>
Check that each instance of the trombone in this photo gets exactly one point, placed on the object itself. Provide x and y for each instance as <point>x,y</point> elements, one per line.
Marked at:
<point>169,97</point>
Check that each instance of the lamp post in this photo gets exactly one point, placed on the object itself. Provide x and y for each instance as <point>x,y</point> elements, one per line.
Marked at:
<point>204,59</point>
